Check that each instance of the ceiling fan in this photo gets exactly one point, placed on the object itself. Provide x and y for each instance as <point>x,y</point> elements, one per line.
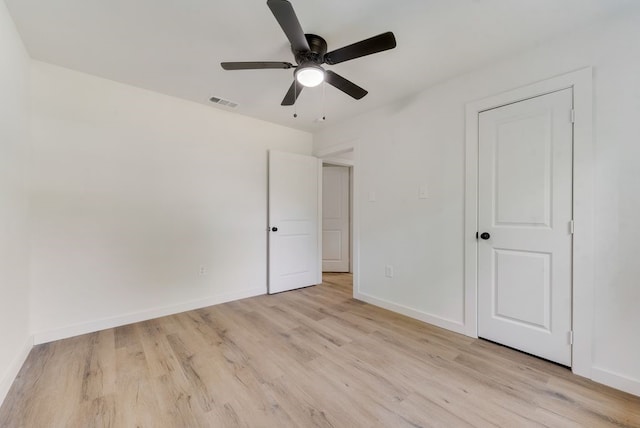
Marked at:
<point>310,52</point>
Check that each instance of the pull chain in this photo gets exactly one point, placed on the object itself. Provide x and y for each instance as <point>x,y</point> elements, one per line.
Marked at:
<point>324,85</point>
<point>295,98</point>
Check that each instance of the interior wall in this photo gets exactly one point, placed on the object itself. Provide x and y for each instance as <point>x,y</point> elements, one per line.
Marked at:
<point>14,263</point>
<point>420,141</point>
<point>142,204</point>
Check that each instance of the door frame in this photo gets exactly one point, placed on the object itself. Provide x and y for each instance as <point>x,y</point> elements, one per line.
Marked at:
<point>581,81</point>
<point>331,155</point>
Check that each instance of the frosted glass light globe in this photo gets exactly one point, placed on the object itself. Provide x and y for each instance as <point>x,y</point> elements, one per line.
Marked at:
<point>310,76</point>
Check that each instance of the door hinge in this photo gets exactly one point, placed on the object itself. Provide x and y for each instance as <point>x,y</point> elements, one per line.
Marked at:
<point>570,337</point>
<point>573,116</point>
<point>572,227</point>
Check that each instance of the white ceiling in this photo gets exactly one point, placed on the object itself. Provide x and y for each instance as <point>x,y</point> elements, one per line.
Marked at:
<point>175,46</point>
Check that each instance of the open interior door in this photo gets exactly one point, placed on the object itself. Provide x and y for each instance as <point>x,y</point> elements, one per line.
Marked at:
<point>294,221</point>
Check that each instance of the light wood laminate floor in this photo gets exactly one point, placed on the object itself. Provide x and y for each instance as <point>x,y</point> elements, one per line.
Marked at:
<point>311,357</point>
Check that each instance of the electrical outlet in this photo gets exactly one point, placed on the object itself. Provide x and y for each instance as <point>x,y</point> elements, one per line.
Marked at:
<point>388,271</point>
<point>203,270</point>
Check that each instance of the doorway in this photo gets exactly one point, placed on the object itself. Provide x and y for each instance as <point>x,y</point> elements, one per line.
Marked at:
<point>583,281</point>
<point>344,156</point>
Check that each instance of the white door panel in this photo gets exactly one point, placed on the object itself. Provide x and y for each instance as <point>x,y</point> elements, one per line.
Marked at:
<point>525,205</point>
<point>522,166</point>
<point>522,287</point>
<point>335,219</point>
<point>294,241</point>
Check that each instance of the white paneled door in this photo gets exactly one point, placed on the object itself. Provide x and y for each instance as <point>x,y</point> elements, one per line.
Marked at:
<point>335,219</point>
<point>525,225</point>
<point>294,221</point>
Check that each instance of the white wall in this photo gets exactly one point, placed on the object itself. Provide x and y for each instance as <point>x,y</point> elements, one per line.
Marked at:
<point>133,191</point>
<point>421,140</point>
<point>14,292</point>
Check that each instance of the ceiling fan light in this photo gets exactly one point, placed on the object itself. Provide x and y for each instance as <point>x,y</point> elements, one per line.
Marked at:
<point>310,76</point>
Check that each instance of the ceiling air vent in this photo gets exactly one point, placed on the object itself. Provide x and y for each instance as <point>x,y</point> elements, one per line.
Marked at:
<point>223,102</point>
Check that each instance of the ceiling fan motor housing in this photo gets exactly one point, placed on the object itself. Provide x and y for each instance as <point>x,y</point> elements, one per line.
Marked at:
<point>315,54</point>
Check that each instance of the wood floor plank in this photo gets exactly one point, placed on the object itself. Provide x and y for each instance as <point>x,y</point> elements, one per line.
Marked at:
<point>99,377</point>
<point>135,401</point>
<point>313,357</point>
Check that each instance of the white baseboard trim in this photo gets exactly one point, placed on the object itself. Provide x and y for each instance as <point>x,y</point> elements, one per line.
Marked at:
<point>438,321</point>
<point>616,380</point>
<point>16,365</point>
<point>117,321</point>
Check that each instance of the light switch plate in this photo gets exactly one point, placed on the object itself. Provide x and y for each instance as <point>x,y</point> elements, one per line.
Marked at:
<point>423,191</point>
<point>388,271</point>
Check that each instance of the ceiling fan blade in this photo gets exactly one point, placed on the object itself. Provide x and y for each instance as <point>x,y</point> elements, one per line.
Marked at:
<point>344,85</point>
<point>286,17</point>
<point>292,94</point>
<point>375,44</point>
<point>255,65</point>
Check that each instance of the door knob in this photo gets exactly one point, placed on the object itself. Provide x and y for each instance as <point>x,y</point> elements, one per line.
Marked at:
<point>485,235</point>
<point>274,229</point>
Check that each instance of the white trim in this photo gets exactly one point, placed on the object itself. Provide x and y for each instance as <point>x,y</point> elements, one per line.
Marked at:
<point>337,161</point>
<point>336,150</point>
<point>110,322</point>
<point>11,374</point>
<point>330,154</point>
<point>355,219</point>
<point>436,320</point>
<point>351,202</point>
<point>319,225</point>
<point>616,380</point>
<point>583,183</point>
